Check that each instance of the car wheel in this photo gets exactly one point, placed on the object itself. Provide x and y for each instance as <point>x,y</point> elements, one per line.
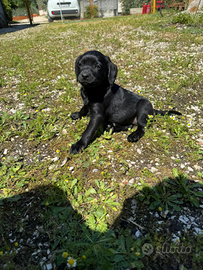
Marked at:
<point>50,19</point>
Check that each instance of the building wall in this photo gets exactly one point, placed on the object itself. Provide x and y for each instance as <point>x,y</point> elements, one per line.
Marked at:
<point>3,22</point>
<point>107,8</point>
<point>195,5</point>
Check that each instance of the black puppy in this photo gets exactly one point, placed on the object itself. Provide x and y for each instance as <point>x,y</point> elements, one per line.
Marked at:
<point>108,103</point>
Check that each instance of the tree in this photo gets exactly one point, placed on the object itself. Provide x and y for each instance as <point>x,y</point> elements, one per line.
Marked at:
<point>21,9</point>
<point>41,4</point>
<point>8,5</point>
<point>21,3</point>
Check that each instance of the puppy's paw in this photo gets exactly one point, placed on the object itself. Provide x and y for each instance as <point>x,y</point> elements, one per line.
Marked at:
<point>75,115</point>
<point>76,147</point>
<point>109,127</point>
<point>134,137</point>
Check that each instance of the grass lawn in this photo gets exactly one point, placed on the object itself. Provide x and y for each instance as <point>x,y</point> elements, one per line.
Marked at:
<point>117,205</point>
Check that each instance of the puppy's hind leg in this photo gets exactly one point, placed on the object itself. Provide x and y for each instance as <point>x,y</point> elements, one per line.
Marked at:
<point>144,108</point>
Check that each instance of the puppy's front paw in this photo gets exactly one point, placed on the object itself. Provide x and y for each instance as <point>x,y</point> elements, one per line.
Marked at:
<point>134,137</point>
<point>75,115</point>
<point>76,147</point>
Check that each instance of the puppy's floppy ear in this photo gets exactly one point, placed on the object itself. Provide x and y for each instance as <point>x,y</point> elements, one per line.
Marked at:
<point>112,70</point>
<point>77,66</point>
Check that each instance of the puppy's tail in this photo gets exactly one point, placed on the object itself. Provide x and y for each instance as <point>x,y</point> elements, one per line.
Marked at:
<point>167,112</point>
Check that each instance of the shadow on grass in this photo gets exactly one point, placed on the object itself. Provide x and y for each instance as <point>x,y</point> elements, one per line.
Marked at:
<point>16,27</point>
<point>38,226</point>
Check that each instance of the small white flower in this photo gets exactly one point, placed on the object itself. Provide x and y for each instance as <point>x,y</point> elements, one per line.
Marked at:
<point>71,262</point>
<point>176,239</point>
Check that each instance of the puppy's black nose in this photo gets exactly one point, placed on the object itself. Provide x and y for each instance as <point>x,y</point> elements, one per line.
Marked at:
<point>85,74</point>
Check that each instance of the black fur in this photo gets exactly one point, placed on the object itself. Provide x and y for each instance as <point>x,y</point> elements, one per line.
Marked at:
<point>108,103</point>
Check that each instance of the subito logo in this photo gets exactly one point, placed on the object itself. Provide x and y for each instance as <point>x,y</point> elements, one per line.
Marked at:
<point>147,249</point>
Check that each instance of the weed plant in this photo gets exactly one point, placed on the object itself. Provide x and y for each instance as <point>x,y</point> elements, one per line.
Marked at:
<point>188,19</point>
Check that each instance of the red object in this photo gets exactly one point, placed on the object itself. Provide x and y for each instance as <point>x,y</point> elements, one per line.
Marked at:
<point>18,18</point>
<point>148,9</point>
<point>144,8</point>
<point>158,3</point>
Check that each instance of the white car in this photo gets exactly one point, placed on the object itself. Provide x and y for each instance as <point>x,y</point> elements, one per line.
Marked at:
<point>68,8</point>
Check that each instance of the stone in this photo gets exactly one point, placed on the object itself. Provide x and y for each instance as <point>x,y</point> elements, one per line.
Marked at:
<point>153,169</point>
<point>134,11</point>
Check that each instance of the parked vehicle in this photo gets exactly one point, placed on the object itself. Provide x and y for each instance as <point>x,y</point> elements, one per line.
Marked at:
<point>66,8</point>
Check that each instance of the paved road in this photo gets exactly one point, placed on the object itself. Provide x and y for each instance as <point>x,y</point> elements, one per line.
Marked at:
<point>23,24</point>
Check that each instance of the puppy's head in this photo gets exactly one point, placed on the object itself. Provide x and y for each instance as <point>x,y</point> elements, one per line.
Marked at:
<point>92,68</point>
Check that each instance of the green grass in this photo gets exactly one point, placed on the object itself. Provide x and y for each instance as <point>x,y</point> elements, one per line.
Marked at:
<point>83,202</point>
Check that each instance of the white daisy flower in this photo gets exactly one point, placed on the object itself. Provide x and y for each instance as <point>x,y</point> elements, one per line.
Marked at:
<point>71,262</point>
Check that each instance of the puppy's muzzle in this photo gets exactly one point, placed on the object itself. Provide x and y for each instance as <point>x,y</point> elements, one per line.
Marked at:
<point>86,78</point>
<point>85,74</point>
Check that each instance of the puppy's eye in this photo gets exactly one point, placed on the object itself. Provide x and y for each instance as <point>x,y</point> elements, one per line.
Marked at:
<point>79,64</point>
